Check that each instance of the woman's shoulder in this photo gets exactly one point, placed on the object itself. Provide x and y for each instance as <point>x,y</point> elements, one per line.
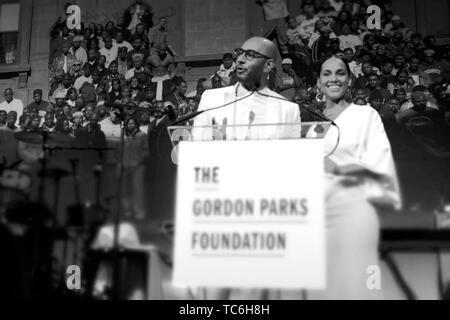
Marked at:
<point>362,111</point>
<point>360,108</point>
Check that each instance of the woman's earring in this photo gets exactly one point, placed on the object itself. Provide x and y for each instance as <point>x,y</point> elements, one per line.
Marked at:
<point>348,94</point>
<point>319,97</point>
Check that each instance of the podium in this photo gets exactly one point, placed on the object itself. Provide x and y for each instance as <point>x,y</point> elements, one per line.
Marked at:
<point>250,206</point>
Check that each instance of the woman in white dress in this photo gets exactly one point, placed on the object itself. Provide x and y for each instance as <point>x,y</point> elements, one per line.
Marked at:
<point>360,174</point>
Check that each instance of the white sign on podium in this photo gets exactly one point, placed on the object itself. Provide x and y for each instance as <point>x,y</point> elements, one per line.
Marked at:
<point>250,214</point>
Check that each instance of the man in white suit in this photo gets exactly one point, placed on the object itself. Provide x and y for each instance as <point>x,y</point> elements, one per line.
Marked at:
<point>251,103</point>
<point>255,103</point>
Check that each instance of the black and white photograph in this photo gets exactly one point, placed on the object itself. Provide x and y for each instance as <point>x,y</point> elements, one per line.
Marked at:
<point>235,151</point>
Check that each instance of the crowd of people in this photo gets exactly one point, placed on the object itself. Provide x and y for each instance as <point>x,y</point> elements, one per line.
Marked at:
<point>402,74</point>
<point>126,70</point>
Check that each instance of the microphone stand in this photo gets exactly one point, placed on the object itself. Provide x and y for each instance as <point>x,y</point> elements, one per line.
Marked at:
<point>116,285</point>
<point>196,113</point>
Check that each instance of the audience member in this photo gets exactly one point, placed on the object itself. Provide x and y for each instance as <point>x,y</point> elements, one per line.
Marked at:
<point>11,103</point>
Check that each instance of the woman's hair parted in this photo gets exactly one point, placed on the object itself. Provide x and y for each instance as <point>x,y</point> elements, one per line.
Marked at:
<point>331,56</point>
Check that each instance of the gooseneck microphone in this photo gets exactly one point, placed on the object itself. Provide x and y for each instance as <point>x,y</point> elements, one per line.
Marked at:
<point>324,118</point>
<point>196,113</point>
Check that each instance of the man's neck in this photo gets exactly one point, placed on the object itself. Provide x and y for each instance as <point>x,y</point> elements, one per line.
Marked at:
<point>252,86</point>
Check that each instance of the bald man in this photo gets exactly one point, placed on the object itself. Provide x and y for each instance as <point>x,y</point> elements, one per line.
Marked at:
<point>259,105</point>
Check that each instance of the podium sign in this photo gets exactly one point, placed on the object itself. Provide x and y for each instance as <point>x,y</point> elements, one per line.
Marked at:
<point>250,214</point>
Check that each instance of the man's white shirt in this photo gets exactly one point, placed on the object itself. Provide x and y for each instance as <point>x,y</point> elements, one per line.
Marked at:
<point>81,55</point>
<point>15,105</point>
<point>249,112</point>
<point>111,130</point>
<point>110,54</point>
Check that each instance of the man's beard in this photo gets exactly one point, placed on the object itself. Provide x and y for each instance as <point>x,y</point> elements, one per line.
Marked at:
<point>250,84</point>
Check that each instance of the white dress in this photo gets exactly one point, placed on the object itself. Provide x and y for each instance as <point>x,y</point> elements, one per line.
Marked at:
<point>363,141</point>
<point>352,224</point>
<point>352,221</point>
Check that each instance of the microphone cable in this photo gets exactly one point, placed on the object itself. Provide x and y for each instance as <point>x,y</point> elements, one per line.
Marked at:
<point>195,114</point>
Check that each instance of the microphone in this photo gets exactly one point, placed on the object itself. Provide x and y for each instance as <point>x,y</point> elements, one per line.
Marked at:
<point>251,118</point>
<point>324,118</point>
<point>187,118</point>
<point>196,113</point>
<point>224,128</point>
